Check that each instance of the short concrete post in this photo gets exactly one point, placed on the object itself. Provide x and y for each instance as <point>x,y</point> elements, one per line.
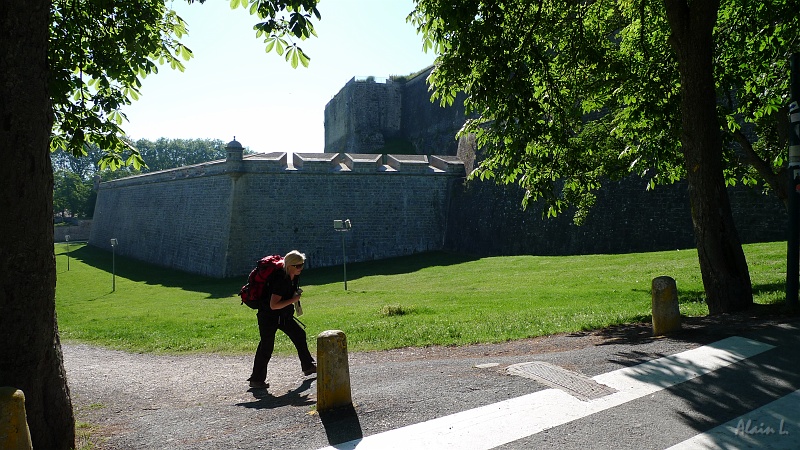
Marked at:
<point>333,371</point>
<point>14,433</point>
<point>666,314</point>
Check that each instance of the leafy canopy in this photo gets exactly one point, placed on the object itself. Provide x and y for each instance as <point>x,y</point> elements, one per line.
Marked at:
<point>100,50</point>
<point>564,95</point>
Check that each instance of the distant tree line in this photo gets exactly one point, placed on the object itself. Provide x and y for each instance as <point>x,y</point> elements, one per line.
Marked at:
<point>74,177</point>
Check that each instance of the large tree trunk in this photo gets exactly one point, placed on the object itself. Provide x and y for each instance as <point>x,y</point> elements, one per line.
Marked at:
<point>726,278</point>
<point>30,352</point>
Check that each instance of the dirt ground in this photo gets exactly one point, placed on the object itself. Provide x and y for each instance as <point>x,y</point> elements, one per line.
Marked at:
<point>202,401</point>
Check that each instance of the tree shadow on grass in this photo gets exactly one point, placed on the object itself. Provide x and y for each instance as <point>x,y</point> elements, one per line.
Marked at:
<point>150,274</point>
<point>389,266</point>
<point>698,330</point>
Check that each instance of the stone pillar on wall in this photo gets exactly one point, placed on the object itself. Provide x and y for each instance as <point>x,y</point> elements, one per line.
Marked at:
<point>234,158</point>
<point>235,150</point>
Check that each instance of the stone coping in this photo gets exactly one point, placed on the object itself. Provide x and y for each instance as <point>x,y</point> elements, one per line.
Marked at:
<point>305,163</point>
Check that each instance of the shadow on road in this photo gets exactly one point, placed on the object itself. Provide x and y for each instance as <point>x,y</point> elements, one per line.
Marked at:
<point>295,397</point>
<point>341,425</point>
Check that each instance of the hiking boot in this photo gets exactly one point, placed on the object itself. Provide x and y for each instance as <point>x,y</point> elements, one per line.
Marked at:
<point>310,369</point>
<point>258,384</point>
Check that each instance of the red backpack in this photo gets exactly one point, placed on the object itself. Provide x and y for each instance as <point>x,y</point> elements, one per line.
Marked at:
<point>255,293</point>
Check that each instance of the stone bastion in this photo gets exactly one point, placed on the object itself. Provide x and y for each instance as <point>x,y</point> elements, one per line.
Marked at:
<point>218,218</point>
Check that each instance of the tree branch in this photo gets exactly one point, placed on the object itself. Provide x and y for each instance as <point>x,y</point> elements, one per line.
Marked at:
<point>762,167</point>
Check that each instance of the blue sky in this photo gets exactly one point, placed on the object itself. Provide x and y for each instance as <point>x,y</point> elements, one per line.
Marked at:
<point>232,87</point>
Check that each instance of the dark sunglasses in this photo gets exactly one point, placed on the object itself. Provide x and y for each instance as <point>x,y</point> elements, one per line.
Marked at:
<point>297,266</point>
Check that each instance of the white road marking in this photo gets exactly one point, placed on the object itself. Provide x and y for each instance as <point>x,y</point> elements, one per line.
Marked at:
<point>775,425</point>
<point>507,421</point>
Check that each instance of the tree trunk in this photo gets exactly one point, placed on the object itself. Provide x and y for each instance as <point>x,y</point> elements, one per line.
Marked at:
<point>726,278</point>
<point>30,352</point>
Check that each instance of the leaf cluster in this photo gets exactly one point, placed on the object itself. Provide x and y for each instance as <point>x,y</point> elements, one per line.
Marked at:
<point>565,95</point>
<point>161,154</point>
<point>280,22</point>
<point>753,44</point>
<point>101,50</point>
<point>72,195</point>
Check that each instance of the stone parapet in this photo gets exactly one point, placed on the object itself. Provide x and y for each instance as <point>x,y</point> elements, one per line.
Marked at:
<point>362,163</point>
<point>449,164</point>
<point>194,171</point>
<point>409,163</point>
<point>316,162</point>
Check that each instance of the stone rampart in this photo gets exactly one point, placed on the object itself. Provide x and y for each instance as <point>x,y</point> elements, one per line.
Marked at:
<point>428,126</point>
<point>218,218</point>
<point>78,231</point>
<point>626,218</point>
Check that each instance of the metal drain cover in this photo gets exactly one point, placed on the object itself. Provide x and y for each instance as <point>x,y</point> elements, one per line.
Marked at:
<point>576,384</point>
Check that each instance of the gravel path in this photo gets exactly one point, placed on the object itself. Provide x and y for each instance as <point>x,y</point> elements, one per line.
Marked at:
<point>202,401</point>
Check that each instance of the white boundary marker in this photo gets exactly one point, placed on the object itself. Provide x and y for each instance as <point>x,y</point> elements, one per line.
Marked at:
<point>493,425</point>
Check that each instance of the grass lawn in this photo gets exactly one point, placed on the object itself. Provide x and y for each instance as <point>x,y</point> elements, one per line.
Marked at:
<point>429,299</point>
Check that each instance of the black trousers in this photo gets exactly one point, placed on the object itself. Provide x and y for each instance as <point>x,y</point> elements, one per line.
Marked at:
<point>268,325</point>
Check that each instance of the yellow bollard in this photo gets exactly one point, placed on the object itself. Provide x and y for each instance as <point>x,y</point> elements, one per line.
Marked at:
<point>333,371</point>
<point>666,314</point>
<point>14,433</point>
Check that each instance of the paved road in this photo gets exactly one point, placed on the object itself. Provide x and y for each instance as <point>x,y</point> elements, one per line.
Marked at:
<point>729,388</point>
<point>739,392</point>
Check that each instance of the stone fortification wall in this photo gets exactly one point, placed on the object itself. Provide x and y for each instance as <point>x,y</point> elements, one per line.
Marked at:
<point>363,116</point>
<point>626,218</point>
<point>78,231</point>
<point>366,115</point>
<point>429,127</point>
<point>176,218</point>
<point>218,218</point>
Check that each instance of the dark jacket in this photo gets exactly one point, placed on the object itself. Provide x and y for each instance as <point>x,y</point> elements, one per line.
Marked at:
<point>281,284</point>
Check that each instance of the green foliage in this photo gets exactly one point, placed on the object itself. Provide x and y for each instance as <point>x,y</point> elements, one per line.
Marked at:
<point>406,78</point>
<point>567,94</point>
<point>73,192</point>
<point>277,28</point>
<point>171,153</point>
<point>71,195</point>
<point>85,167</point>
<point>100,50</point>
<point>445,299</point>
<point>754,41</point>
